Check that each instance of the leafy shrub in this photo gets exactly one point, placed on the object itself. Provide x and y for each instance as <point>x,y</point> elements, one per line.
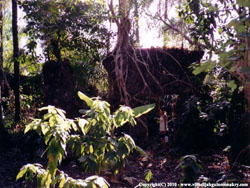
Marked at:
<point>191,167</point>
<point>98,148</point>
<point>206,123</point>
<point>44,179</point>
<point>91,139</point>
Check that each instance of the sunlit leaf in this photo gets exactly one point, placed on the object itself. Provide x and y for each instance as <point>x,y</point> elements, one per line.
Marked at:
<point>130,140</point>
<point>44,129</point>
<point>48,180</point>
<point>82,123</point>
<point>138,111</point>
<point>61,113</point>
<point>33,125</point>
<point>21,173</point>
<point>47,116</point>
<point>91,149</point>
<point>204,67</point>
<point>101,182</point>
<point>62,180</point>
<point>141,151</point>
<point>220,30</point>
<point>148,175</point>
<point>85,98</point>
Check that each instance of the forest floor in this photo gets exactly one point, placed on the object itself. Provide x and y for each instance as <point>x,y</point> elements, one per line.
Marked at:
<point>162,164</point>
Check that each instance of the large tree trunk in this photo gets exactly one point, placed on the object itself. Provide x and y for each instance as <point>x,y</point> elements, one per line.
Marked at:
<point>123,54</point>
<point>16,61</point>
<point>129,71</point>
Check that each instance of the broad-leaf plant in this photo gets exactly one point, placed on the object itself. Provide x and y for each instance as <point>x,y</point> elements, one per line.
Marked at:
<point>91,138</point>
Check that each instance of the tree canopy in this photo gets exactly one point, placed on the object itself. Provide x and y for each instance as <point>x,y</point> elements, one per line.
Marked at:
<point>67,29</point>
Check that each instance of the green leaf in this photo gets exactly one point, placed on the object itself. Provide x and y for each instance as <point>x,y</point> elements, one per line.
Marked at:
<point>138,111</point>
<point>34,168</point>
<point>130,140</point>
<point>51,109</point>
<point>41,179</point>
<point>54,155</point>
<point>91,149</point>
<point>204,67</point>
<point>84,97</point>
<point>33,125</point>
<point>148,175</point>
<point>82,123</point>
<point>47,116</point>
<point>232,85</point>
<point>123,149</point>
<point>140,150</point>
<point>225,57</point>
<point>61,113</point>
<point>120,118</point>
<point>73,125</point>
<point>47,137</point>
<point>62,180</point>
<point>220,30</point>
<point>101,182</point>
<point>22,172</point>
<point>123,115</point>
<point>44,108</point>
<point>48,180</point>
<point>44,129</point>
